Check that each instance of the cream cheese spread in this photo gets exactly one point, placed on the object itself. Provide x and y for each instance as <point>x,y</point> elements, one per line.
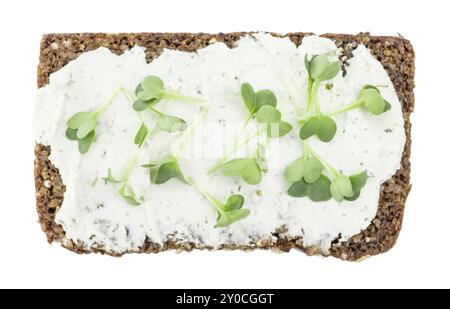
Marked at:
<point>94,214</point>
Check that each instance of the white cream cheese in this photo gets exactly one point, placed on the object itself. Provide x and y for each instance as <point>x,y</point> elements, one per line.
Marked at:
<point>94,214</point>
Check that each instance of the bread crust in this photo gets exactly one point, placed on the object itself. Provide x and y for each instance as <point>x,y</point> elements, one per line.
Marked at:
<point>396,55</point>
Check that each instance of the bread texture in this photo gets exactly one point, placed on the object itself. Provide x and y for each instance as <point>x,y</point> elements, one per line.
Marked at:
<point>396,55</point>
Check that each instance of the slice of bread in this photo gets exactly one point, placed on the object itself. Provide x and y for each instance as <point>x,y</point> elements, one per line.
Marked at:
<point>395,53</point>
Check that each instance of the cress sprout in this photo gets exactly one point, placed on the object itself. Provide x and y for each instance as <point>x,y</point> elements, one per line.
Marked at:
<point>261,105</point>
<point>228,212</point>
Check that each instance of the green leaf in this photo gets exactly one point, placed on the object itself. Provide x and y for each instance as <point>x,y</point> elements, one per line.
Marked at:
<point>359,180</point>
<point>227,213</point>
<point>149,94</point>
<point>294,171</point>
<point>285,128</point>
<point>387,106</point>
<point>331,71</point>
<point>168,169</point>
<point>298,189</point>
<point>279,129</point>
<point>318,66</point>
<point>341,188</point>
<point>336,192</point>
<point>85,143</point>
<point>152,82</point>
<point>265,97</point>
<point>234,167</point>
<point>234,201</point>
<point>86,127</point>
<point>319,191</point>
<point>345,186</point>
<point>251,173</point>
<point>79,118</point>
<point>140,105</point>
<point>247,168</point>
<point>227,218</point>
<point>268,114</point>
<point>129,198</point>
<point>71,134</point>
<point>248,96</point>
<point>312,170</point>
<point>141,135</point>
<point>110,178</point>
<point>322,126</point>
<point>368,86</point>
<point>170,123</point>
<point>138,89</point>
<point>307,63</point>
<point>310,128</point>
<point>355,196</point>
<point>373,101</point>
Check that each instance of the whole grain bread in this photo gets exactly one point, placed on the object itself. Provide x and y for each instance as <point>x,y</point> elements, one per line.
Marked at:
<point>396,55</point>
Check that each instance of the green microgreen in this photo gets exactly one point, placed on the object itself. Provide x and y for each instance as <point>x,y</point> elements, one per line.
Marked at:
<point>307,178</point>
<point>110,178</point>
<point>125,191</point>
<point>165,170</point>
<point>322,126</point>
<point>167,123</point>
<point>341,187</point>
<point>358,181</point>
<point>306,174</point>
<point>228,212</point>
<point>151,90</point>
<point>318,191</point>
<point>141,134</point>
<point>369,98</point>
<point>169,168</point>
<point>373,101</point>
<point>308,168</point>
<point>261,105</point>
<point>81,126</point>
<point>84,143</point>
<point>246,168</point>
<point>319,68</point>
<point>82,129</point>
<point>128,195</point>
<point>271,117</point>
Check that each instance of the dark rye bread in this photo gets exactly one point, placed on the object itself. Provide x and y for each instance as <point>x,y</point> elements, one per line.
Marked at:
<point>395,53</point>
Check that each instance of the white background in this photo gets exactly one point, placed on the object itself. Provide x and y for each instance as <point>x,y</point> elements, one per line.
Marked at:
<point>420,258</point>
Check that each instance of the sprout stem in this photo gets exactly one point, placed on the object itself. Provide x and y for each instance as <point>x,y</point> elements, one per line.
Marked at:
<point>308,95</point>
<point>314,98</point>
<point>328,166</point>
<point>216,166</point>
<point>358,103</point>
<point>217,204</point>
<point>172,95</point>
<point>108,102</point>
